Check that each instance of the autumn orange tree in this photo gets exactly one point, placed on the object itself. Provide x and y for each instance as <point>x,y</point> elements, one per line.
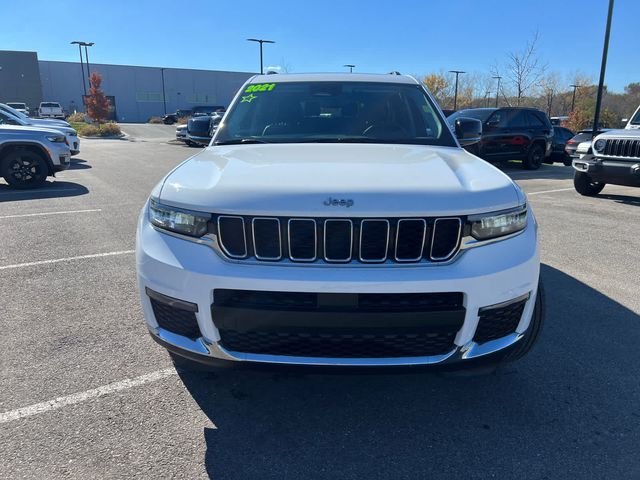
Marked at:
<point>97,103</point>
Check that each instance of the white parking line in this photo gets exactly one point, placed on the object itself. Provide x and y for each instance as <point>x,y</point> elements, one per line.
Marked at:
<point>67,259</point>
<point>551,191</point>
<point>50,213</point>
<point>84,396</point>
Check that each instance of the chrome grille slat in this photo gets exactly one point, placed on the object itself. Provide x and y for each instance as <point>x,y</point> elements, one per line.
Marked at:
<point>420,241</point>
<point>454,247</point>
<point>226,249</point>
<point>293,221</point>
<point>367,259</point>
<point>257,243</point>
<point>326,241</point>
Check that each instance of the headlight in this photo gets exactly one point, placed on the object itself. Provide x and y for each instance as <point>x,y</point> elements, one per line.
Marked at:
<point>56,138</point>
<point>498,225</point>
<point>185,222</point>
<point>599,145</point>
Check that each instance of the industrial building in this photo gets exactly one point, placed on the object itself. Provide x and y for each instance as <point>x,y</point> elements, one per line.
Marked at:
<point>137,93</point>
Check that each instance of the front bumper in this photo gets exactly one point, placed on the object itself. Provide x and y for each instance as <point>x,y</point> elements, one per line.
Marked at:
<point>486,275</point>
<point>617,172</point>
<point>199,139</point>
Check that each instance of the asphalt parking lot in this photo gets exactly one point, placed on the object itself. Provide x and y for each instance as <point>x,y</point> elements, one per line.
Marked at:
<point>86,393</point>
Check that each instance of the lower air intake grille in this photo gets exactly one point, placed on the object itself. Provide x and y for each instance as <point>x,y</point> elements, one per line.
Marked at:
<point>338,345</point>
<point>499,322</point>
<point>175,320</point>
<point>340,325</point>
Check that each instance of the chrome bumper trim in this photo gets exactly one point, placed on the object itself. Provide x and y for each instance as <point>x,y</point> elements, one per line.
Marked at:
<point>215,351</point>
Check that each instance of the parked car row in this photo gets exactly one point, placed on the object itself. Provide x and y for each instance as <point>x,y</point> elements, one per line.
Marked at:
<point>44,110</point>
<point>511,133</point>
<point>33,149</point>
<point>200,128</point>
<point>171,118</point>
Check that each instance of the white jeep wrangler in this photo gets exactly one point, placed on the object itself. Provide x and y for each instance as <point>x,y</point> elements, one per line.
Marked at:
<point>612,157</point>
<point>335,220</point>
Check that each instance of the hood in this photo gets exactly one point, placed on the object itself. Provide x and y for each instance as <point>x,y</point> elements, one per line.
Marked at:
<point>58,128</point>
<point>48,123</point>
<point>620,133</point>
<point>305,179</point>
<point>28,129</point>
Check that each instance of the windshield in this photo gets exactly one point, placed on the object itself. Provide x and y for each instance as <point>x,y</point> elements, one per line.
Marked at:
<point>480,114</point>
<point>17,105</point>
<point>636,118</point>
<point>50,105</point>
<point>295,112</point>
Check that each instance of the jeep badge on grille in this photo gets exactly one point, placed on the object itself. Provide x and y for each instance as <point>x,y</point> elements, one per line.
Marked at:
<point>338,202</point>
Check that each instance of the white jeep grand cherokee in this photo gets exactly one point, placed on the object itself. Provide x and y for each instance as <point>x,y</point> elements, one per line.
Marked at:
<point>336,220</point>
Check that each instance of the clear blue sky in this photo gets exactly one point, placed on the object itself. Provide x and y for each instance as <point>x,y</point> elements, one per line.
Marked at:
<point>409,36</point>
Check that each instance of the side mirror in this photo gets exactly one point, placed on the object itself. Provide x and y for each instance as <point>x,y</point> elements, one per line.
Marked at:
<point>468,131</point>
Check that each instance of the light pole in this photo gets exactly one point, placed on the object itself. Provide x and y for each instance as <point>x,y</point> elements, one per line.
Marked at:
<point>486,98</point>
<point>350,67</point>
<point>497,89</point>
<point>455,96</point>
<point>573,99</point>
<point>86,55</point>
<point>603,68</point>
<point>260,41</point>
<point>164,98</point>
<point>84,86</point>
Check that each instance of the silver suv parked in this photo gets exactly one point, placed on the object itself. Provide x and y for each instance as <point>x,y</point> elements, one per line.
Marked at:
<point>28,155</point>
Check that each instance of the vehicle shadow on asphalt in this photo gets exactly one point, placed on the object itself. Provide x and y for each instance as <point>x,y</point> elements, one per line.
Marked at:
<point>563,411</point>
<point>55,189</point>
<point>79,164</point>
<point>625,199</point>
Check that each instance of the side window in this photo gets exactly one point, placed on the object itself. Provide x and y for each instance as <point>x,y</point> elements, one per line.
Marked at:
<point>498,119</point>
<point>535,121</point>
<point>518,119</point>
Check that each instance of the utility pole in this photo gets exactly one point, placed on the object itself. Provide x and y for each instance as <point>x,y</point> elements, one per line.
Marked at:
<point>497,89</point>
<point>573,98</point>
<point>164,98</point>
<point>455,96</point>
<point>260,41</point>
<point>486,98</point>
<point>350,67</point>
<point>603,68</point>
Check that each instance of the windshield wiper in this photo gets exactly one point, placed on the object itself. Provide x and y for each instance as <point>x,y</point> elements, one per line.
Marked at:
<point>240,141</point>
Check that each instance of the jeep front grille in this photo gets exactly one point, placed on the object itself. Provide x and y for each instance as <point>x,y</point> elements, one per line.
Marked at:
<point>620,147</point>
<point>339,240</point>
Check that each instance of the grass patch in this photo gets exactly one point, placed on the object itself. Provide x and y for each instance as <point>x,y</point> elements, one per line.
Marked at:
<point>108,129</point>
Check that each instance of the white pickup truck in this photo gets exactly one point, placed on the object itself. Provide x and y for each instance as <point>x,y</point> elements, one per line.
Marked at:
<point>50,110</point>
<point>335,220</point>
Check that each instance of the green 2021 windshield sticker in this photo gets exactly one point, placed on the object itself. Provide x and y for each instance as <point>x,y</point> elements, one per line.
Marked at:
<point>260,87</point>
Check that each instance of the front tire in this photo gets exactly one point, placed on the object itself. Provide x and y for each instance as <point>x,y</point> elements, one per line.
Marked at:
<point>585,185</point>
<point>24,169</point>
<point>535,157</point>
